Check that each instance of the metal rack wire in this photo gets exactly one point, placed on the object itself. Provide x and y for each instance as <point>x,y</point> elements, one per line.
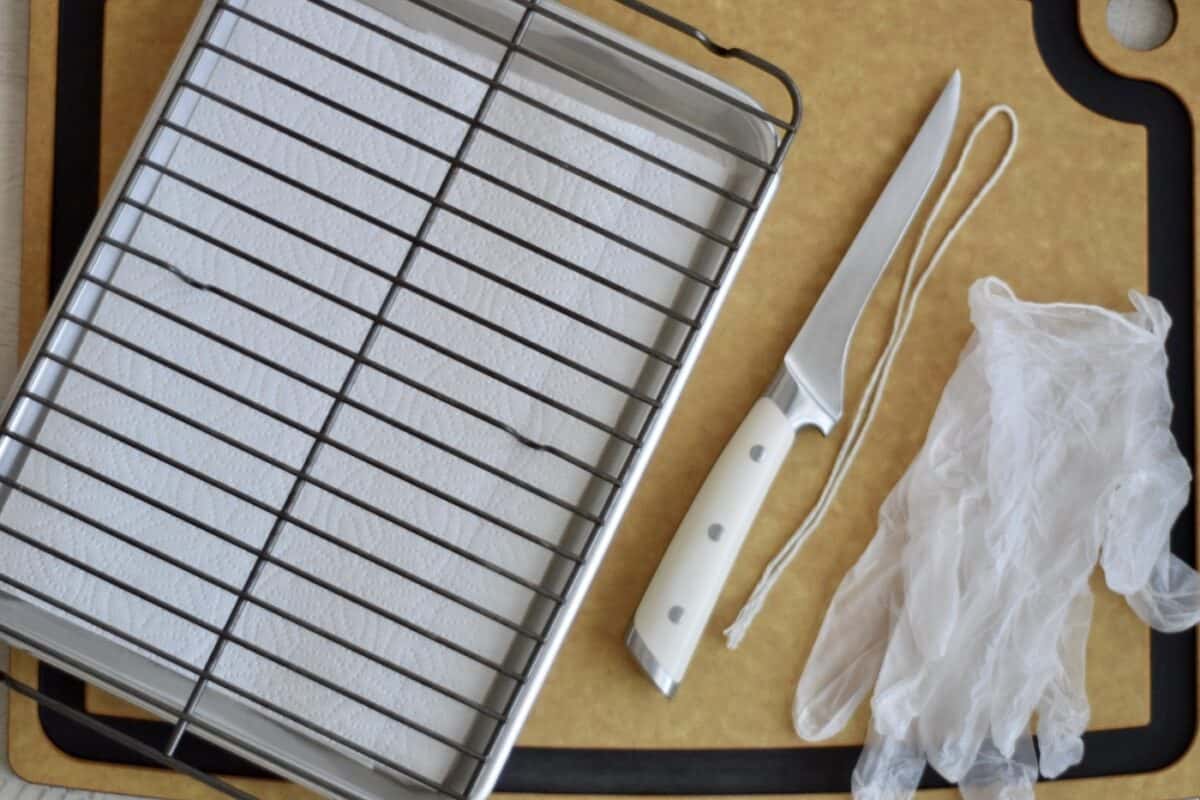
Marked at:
<point>60,355</point>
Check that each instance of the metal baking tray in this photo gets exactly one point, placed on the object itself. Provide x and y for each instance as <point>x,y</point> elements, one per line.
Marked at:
<point>618,92</point>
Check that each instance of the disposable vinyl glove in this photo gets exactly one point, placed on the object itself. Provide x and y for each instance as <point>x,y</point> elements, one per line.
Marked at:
<point>1050,452</point>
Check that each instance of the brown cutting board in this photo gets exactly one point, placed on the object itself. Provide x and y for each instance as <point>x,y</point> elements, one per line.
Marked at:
<point>868,75</point>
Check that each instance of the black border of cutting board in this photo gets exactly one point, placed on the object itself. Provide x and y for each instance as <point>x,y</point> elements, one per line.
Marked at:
<point>782,770</point>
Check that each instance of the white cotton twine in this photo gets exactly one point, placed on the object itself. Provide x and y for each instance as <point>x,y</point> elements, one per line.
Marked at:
<point>869,403</point>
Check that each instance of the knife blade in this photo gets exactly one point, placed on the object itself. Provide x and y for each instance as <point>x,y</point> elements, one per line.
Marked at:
<point>807,391</point>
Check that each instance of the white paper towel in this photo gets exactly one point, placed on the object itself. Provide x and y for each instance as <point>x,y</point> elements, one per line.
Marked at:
<point>509,504</point>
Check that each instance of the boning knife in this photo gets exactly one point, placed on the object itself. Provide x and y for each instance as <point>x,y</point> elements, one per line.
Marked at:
<point>807,391</point>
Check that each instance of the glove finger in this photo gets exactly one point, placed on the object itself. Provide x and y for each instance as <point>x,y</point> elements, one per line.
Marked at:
<point>903,684</point>
<point>931,588</point>
<point>845,659</point>
<point>956,718</point>
<point>951,734</point>
<point>1136,513</point>
<point>1170,600</point>
<point>888,769</point>
<point>1063,712</point>
<point>995,776</point>
<point>1049,630</point>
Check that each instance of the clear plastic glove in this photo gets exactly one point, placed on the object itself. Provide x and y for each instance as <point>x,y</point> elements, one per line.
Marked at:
<point>1050,452</point>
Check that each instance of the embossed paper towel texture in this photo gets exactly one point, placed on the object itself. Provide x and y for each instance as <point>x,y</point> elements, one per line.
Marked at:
<point>308,406</point>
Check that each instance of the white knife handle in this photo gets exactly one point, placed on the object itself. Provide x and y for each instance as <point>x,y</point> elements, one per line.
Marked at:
<point>680,598</point>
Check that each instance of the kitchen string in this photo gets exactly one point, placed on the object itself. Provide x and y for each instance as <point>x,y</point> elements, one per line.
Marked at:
<point>910,292</point>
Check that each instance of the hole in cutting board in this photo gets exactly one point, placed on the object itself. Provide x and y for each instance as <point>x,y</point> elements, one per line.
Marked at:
<point>1141,24</point>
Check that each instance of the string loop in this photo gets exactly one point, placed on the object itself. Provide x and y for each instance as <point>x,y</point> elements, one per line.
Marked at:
<point>868,404</point>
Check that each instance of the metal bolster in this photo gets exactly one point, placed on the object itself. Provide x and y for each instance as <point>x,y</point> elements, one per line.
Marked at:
<point>798,404</point>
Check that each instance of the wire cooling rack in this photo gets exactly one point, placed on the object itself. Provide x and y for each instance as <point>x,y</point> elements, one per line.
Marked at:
<point>159,530</point>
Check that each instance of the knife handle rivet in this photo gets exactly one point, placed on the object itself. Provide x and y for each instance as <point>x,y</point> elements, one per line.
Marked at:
<point>756,452</point>
<point>675,614</point>
<point>715,530</point>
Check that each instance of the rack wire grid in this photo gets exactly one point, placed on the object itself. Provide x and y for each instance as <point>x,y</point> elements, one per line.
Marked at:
<point>327,431</point>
